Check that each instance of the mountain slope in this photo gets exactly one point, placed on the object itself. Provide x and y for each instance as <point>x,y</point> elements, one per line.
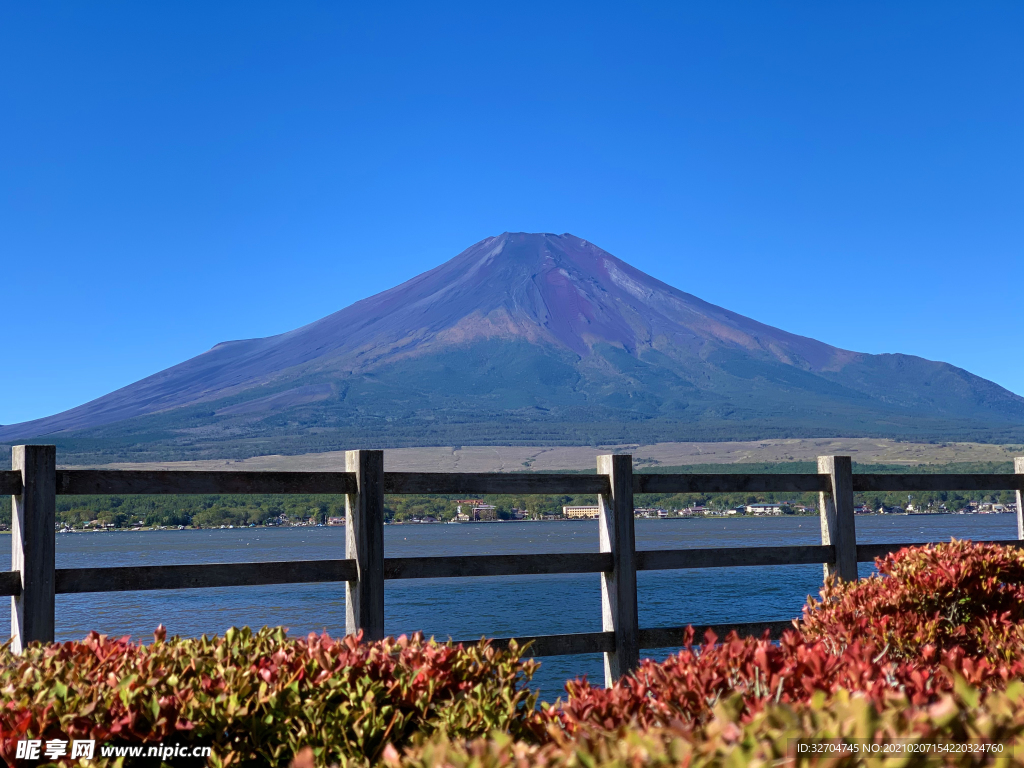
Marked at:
<point>527,336</point>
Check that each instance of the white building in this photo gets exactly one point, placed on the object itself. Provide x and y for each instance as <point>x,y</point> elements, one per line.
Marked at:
<point>763,509</point>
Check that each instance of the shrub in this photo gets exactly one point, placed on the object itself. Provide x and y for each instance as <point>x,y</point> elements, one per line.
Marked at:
<point>768,738</point>
<point>959,594</point>
<point>260,696</point>
<point>686,687</point>
<point>934,614</point>
<point>930,649</point>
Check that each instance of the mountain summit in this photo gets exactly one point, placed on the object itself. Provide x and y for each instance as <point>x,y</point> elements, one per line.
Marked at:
<point>529,338</point>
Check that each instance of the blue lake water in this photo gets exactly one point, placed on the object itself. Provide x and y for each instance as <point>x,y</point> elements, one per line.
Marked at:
<point>471,607</point>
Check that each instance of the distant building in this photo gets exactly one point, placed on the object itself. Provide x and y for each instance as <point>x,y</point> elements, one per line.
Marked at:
<point>763,509</point>
<point>646,512</point>
<point>890,510</point>
<point>477,511</point>
<point>335,520</point>
<point>484,512</point>
<point>581,513</point>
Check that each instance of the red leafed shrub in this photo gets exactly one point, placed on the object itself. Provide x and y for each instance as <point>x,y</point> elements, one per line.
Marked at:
<point>685,688</point>
<point>936,613</point>
<point>959,594</point>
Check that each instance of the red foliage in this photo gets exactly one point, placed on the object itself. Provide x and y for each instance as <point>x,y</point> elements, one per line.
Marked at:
<point>686,687</point>
<point>958,594</point>
<point>935,613</point>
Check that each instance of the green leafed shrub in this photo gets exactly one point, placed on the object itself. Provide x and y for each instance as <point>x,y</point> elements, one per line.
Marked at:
<point>261,696</point>
<point>732,739</point>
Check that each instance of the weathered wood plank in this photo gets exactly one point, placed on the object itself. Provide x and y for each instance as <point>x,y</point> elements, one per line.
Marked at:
<point>121,481</point>
<point>866,553</point>
<point>493,482</point>
<point>557,645</point>
<point>761,483</point>
<point>870,483</point>
<point>241,574</point>
<point>364,543</point>
<point>77,482</point>
<point>33,544</point>
<point>10,583</point>
<point>653,638</point>
<point>495,565</point>
<point>1018,468</point>
<point>838,523</point>
<point>131,578</point>
<point>618,586</point>
<point>95,481</point>
<point>669,637</point>
<point>10,482</point>
<point>731,557</point>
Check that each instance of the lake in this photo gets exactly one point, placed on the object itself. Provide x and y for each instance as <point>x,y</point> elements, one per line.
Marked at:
<point>471,607</point>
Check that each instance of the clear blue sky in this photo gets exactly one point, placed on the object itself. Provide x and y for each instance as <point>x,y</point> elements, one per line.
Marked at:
<point>173,175</point>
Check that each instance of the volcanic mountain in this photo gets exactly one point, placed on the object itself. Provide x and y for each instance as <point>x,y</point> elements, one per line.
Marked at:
<point>527,338</point>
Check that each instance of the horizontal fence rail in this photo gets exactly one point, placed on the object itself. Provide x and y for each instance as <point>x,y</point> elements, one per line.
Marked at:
<point>10,483</point>
<point>496,565</point>
<point>493,482</point>
<point>729,557</point>
<point>34,581</point>
<point>651,638</point>
<point>665,483</point>
<point>868,553</point>
<point>147,577</point>
<point>81,482</point>
<point>867,483</point>
<point>197,576</point>
<point>84,482</point>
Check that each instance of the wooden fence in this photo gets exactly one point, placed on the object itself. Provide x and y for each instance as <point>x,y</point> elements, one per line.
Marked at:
<point>34,483</point>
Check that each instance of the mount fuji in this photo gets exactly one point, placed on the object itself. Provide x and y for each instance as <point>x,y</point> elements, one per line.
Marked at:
<point>526,339</point>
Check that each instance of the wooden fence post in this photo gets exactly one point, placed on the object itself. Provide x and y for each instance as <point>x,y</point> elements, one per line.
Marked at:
<point>618,587</point>
<point>1018,468</point>
<point>33,544</point>
<point>838,527</point>
<point>364,543</point>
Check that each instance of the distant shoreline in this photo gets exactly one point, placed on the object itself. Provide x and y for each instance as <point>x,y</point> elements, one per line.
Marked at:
<point>491,522</point>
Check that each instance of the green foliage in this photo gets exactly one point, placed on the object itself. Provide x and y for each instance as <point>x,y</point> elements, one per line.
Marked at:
<point>768,738</point>
<point>259,697</point>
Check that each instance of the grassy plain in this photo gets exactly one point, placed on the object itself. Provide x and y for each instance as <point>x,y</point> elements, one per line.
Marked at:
<point>864,450</point>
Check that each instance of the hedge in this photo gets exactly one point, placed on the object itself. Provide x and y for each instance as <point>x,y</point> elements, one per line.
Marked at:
<point>929,649</point>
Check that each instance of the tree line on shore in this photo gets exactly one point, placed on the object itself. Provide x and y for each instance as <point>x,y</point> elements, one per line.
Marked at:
<point>241,510</point>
